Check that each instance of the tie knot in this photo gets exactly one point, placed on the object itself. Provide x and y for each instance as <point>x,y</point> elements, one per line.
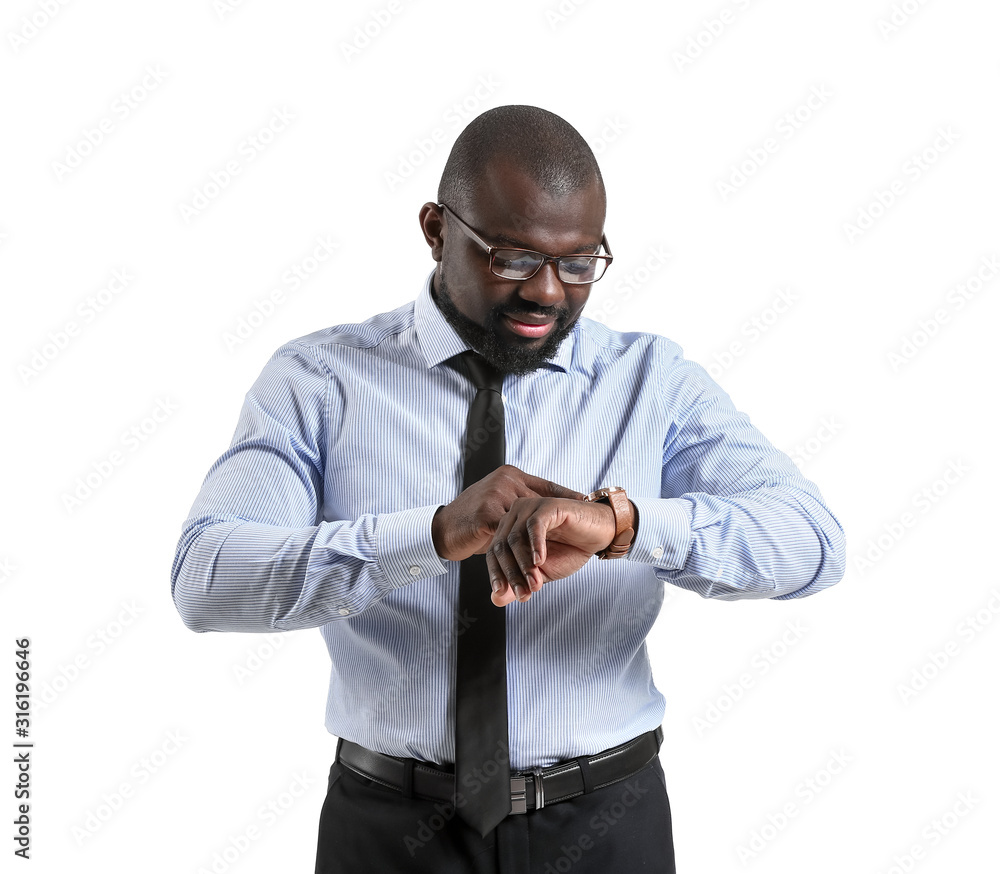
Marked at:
<point>481,372</point>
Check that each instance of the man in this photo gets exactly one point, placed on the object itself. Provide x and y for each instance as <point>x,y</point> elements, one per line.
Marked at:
<point>374,465</point>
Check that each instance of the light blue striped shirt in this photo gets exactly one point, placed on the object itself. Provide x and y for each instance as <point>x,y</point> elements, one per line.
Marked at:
<point>319,515</point>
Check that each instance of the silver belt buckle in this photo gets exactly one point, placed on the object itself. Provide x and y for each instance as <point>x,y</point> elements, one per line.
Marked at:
<point>518,795</point>
<point>539,789</point>
<point>519,792</point>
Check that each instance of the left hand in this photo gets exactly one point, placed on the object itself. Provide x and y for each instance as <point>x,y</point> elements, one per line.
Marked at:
<point>544,539</point>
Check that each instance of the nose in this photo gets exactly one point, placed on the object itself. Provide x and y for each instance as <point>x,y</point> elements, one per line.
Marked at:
<point>544,288</point>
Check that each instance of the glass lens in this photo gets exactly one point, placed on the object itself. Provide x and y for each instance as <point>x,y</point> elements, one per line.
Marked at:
<point>581,269</point>
<point>515,264</point>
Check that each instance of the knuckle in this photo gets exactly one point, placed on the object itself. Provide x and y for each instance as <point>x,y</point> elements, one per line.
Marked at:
<point>480,528</point>
<point>535,524</point>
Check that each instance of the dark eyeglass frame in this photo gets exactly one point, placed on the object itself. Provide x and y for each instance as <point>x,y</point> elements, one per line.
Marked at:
<point>558,259</point>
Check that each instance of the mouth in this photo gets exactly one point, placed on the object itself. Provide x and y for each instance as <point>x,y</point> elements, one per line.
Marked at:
<point>529,326</point>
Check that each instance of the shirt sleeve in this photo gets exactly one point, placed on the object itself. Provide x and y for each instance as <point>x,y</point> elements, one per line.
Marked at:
<point>255,553</point>
<point>736,519</point>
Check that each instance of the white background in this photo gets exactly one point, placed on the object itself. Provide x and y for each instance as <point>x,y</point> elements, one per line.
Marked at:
<point>156,747</point>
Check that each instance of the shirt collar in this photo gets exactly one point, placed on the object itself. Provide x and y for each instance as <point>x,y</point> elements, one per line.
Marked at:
<point>438,341</point>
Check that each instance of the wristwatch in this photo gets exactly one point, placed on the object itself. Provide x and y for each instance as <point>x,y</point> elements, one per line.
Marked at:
<point>620,506</point>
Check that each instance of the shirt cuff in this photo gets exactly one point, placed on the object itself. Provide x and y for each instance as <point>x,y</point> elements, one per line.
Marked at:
<point>664,537</point>
<point>404,549</point>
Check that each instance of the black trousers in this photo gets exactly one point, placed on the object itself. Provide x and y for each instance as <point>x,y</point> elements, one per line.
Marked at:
<point>365,828</point>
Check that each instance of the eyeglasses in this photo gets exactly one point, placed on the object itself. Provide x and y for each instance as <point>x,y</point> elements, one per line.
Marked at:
<point>522,264</point>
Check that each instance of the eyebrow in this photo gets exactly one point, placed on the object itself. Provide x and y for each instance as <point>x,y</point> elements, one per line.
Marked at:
<point>579,249</point>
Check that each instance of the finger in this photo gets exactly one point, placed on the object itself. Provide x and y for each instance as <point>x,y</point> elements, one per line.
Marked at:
<point>504,574</point>
<point>503,596</point>
<point>502,592</point>
<point>520,545</point>
<point>548,489</point>
<point>508,567</point>
<point>536,530</point>
<point>498,581</point>
<point>512,549</point>
<point>535,545</point>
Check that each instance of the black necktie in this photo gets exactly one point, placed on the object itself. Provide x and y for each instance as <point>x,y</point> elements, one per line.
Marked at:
<point>482,760</point>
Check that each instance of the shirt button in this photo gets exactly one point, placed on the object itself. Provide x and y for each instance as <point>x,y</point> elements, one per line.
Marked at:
<point>657,552</point>
<point>344,611</point>
<point>415,570</point>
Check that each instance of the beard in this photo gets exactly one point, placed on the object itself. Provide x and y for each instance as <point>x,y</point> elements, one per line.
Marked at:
<point>505,355</point>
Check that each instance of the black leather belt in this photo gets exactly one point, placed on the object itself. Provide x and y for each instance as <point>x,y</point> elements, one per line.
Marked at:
<point>529,790</point>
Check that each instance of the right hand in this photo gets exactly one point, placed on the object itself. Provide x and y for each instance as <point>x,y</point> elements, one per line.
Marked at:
<point>466,526</point>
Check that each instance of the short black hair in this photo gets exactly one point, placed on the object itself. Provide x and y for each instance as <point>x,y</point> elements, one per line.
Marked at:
<point>542,144</point>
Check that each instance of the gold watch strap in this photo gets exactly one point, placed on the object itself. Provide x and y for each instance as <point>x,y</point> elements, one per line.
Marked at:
<point>622,541</point>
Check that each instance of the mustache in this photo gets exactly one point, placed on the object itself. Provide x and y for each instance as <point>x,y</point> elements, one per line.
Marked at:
<point>556,313</point>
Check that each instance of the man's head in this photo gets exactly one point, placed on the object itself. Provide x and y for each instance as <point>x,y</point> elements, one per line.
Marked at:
<point>520,177</point>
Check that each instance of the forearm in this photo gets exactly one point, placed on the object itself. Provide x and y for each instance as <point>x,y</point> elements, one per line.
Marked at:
<point>237,575</point>
<point>778,541</point>
<point>256,553</point>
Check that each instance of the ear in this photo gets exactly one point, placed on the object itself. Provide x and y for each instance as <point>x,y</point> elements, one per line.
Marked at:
<point>432,224</point>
